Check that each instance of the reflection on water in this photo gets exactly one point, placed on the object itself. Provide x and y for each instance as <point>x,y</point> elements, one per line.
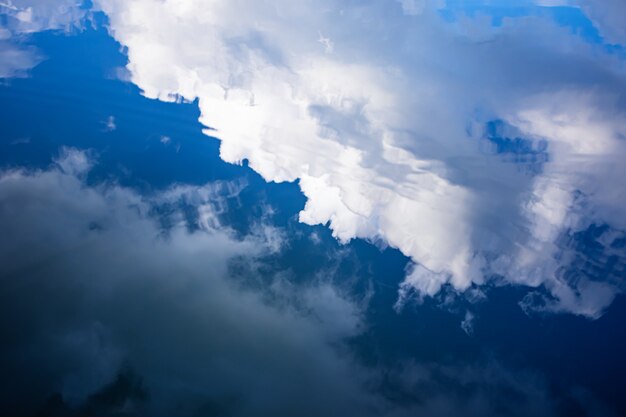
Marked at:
<point>167,169</point>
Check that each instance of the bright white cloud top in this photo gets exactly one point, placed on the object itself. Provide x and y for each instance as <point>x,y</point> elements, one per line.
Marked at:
<point>380,108</point>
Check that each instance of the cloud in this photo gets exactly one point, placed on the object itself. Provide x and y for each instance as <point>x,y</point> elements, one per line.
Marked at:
<point>468,323</point>
<point>412,7</point>
<point>609,17</point>
<point>109,124</point>
<point>29,16</point>
<point>16,60</point>
<point>72,161</point>
<point>116,302</point>
<point>389,135</point>
<point>442,390</point>
<point>19,18</point>
<point>92,281</point>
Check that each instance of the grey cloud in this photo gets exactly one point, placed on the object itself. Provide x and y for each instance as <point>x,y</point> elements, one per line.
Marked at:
<point>116,313</point>
<point>89,281</point>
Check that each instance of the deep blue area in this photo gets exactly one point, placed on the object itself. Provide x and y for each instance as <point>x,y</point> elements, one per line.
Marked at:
<point>68,101</point>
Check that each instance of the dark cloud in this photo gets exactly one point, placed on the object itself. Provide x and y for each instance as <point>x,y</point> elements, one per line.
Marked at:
<point>89,281</point>
<point>104,312</point>
<point>125,396</point>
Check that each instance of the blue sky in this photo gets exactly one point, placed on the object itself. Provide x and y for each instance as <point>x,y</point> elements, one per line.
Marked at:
<point>288,208</point>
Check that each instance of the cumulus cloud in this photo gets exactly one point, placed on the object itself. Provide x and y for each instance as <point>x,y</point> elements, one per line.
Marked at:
<point>112,303</point>
<point>388,135</point>
<point>91,281</point>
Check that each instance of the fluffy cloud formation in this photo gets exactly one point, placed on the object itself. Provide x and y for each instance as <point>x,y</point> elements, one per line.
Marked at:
<point>90,281</point>
<point>387,131</point>
<point>96,279</point>
<point>18,18</point>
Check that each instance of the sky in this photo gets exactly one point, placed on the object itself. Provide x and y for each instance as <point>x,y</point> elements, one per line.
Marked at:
<point>312,208</point>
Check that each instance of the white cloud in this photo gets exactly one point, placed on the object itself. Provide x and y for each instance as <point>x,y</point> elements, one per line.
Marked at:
<point>73,161</point>
<point>468,323</point>
<point>109,124</point>
<point>30,16</point>
<point>92,283</point>
<point>413,7</point>
<point>15,60</point>
<point>385,134</point>
<point>328,44</point>
<point>18,18</point>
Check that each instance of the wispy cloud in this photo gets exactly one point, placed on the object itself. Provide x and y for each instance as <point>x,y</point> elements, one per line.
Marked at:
<point>19,18</point>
